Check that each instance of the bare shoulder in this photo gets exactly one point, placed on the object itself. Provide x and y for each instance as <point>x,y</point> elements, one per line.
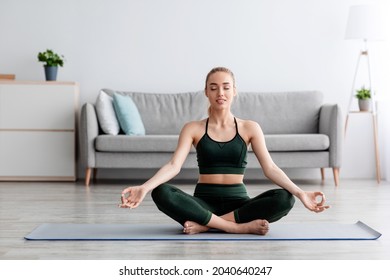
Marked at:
<point>194,125</point>
<point>248,126</point>
<point>249,130</point>
<point>193,128</point>
<point>252,134</point>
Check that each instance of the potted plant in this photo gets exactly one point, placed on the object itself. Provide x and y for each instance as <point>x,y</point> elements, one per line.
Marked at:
<point>364,97</point>
<point>52,60</point>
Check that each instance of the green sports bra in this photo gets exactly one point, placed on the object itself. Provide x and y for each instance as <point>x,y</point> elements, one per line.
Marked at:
<point>216,157</point>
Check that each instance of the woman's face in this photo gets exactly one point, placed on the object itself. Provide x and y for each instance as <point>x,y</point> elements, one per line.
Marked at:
<point>220,90</point>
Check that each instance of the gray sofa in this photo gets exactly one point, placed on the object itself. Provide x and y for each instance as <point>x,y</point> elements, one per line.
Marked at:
<point>300,131</point>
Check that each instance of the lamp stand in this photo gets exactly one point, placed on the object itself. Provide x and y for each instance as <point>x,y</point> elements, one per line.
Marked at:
<point>363,53</point>
<point>373,108</point>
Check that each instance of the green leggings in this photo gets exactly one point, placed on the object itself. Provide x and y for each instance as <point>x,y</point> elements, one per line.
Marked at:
<point>219,199</point>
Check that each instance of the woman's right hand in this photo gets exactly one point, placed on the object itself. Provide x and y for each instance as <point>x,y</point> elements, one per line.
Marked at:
<point>132,197</point>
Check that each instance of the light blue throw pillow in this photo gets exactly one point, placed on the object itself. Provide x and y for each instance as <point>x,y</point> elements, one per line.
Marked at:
<point>128,116</point>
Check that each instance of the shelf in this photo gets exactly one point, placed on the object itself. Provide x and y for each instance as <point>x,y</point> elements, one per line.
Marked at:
<point>361,112</point>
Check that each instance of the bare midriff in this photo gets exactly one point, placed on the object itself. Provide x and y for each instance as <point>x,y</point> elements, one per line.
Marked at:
<point>226,179</point>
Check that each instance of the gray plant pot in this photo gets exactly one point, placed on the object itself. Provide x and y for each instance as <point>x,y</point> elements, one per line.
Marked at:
<point>51,73</point>
<point>364,104</point>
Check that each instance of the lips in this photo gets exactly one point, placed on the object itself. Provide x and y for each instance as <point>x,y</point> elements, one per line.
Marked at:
<point>221,101</point>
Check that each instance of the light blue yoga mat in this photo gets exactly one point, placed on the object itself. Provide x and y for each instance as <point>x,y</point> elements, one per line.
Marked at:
<point>278,231</point>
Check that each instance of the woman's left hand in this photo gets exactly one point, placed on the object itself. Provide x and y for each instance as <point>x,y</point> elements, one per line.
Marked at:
<point>311,201</point>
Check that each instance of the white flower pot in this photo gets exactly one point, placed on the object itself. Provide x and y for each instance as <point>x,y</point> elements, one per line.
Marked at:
<point>364,104</point>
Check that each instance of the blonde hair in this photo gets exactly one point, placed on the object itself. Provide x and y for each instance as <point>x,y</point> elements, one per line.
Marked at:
<point>220,69</point>
<point>215,70</point>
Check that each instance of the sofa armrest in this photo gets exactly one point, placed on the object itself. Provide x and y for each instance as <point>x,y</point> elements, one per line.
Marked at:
<point>331,124</point>
<point>89,130</point>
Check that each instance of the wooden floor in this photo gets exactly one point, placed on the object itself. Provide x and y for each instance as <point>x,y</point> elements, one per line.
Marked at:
<point>25,205</point>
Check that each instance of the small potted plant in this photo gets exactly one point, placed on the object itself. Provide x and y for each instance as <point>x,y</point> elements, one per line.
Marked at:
<point>364,97</point>
<point>52,60</point>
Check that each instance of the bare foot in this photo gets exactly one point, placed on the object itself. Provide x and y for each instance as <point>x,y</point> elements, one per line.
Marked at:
<point>193,228</point>
<point>260,227</point>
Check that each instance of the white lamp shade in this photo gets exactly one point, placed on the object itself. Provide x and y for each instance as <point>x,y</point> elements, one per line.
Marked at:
<point>364,22</point>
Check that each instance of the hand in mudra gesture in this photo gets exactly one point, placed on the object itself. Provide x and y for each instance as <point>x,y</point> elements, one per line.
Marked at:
<point>314,201</point>
<point>132,197</point>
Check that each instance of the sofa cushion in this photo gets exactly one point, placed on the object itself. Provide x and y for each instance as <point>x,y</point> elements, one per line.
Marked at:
<point>276,112</point>
<point>106,114</point>
<point>168,143</point>
<point>124,143</point>
<point>166,113</point>
<point>128,116</point>
<point>281,112</point>
<point>296,142</point>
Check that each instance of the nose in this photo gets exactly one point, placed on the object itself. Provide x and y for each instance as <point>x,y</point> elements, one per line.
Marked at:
<point>221,91</point>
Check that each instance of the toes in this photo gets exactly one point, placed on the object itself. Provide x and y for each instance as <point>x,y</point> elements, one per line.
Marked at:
<point>264,227</point>
<point>187,227</point>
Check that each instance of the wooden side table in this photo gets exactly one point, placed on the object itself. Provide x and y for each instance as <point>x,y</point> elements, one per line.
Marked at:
<point>375,128</point>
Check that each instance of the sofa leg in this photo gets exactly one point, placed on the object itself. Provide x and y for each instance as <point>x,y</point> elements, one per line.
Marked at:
<point>336,172</point>
<point>322,174</point>
<point>94,175</point>
<point>87,176</point>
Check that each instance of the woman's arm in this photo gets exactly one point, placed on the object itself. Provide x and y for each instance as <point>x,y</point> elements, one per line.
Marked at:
<point>270,169</point>
<point>173,167</point>
<point>276,175</point>
<point>133,196</point>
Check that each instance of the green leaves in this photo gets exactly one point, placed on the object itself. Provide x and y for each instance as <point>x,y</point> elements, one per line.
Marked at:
<point>50,58</point>
<point>363,93</point>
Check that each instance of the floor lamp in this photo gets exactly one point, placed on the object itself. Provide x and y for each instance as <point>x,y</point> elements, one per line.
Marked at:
<point>364,23</point>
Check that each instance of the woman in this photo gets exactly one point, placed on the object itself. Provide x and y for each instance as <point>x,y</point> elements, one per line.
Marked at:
<point>220,200</point>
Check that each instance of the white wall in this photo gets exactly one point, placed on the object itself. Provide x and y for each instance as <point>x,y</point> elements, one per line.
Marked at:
<point>169,46</point>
